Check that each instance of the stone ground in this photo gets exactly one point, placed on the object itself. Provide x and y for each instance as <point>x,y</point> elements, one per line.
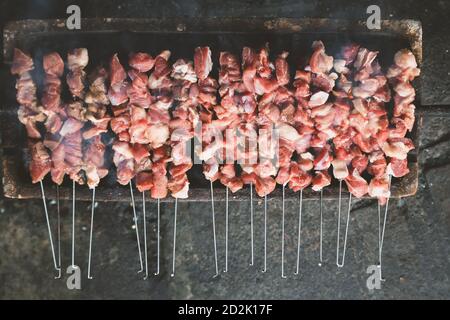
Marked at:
<point>417,242</point>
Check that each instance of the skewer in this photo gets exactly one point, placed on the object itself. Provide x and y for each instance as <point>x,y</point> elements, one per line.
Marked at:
<point>214,229</point>
<point>338,222</point>
<point>251,224</point>
<point>145,236</point>
<point>384,227</point>
<point>340,265</point>
<point>321,226</point>
<point>90,234</point>
<point>265,234</point>
<point>157,240</point>
<point>73,225</point>
<point>137,227</point>
<point>49,231</point>
<point>282,236</point>
<point>59,230</point>
<point>174,238</point>
<point>226,230</point>
<point>299,230</point>
<point>379,231</point>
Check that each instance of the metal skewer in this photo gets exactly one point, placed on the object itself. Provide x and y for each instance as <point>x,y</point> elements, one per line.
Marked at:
<point>379,232</point>
<point>136,227</point>
<point>49,231</point>
<point>265,234</point>
<point>338,222</point>
<point>59,231</point>
<point>214,229</point>
<point>91,232</point>
<point>282,235</point>
<point>174,238</point>
<point>157,240</point>
<point>340,265</point>
<point>145,236</point>
<point>384,227</point>
<point>73,225</point>
<point>321,226</point>
<point>299,231</point>
<point>226,230</point>
<point>251,224</point>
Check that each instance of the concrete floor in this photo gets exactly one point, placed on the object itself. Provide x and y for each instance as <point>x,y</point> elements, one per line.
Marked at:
<point>417,242</point>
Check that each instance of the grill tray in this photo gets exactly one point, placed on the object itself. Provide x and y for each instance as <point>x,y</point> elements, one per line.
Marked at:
<point>103,37</point>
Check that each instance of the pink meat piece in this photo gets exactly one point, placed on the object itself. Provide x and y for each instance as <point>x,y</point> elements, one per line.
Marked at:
<point>141,61</point>
<point>356,184</point>
<point>398,168</point>
<point>22,62</point>
<point>53,64</point>
<point>77,58</point>
<point>202,62</point>
<point>40,163</point>
<point>320,62</point>
<point>71,126</point>
<point>282,69</point>
<point>320,180</point>
<point>117,74</point>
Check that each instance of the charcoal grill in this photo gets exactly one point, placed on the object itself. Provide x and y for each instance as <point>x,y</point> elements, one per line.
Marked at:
<point>105,36</point>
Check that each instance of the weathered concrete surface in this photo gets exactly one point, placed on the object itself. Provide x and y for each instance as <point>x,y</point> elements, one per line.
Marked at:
<point>416,253</point>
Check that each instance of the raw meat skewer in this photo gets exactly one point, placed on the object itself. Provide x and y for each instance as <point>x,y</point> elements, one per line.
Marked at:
<point>53,66</point>
<point>160,85</point>
<point>320,65</point>
<point>29,114</point>
<point>121,125</point>
<point>77,60</point>
<point>207,88</point>
<point>185,117</point>
<point>94,152</point>
<point>51,100</point>
<point>139,101</point>
<point>400,74</point>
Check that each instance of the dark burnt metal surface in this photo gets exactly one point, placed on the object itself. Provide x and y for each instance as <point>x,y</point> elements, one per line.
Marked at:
<point>103,37</point>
